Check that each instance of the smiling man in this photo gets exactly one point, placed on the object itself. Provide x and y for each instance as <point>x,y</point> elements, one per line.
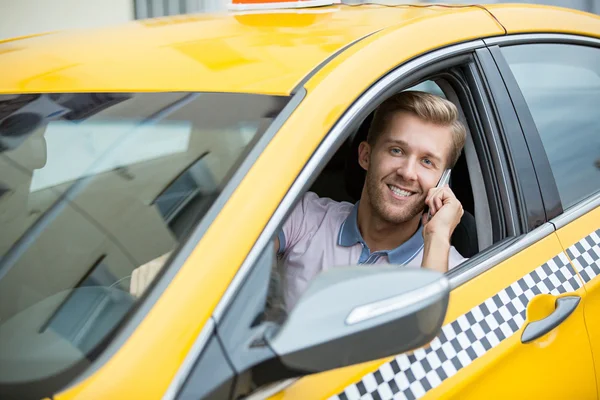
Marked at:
<point>413,138</point>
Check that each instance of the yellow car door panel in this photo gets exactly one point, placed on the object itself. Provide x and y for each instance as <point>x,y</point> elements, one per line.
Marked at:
<point>480,351</point>
<point>581,239</point>
<point>561,119</point>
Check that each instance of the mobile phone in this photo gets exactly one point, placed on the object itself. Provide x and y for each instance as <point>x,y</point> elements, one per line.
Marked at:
<point>444,179</point>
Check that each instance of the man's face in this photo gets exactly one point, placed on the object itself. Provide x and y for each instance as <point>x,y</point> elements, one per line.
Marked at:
<point>405,162</point>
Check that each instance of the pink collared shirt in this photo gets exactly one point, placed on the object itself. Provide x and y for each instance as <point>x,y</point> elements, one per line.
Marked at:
<point>322,233</point>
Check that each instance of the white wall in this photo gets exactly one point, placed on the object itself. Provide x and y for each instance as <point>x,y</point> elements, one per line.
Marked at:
<point>25,17</point>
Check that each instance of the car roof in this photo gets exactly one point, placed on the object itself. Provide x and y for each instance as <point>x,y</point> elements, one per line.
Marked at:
<point>266,52</point>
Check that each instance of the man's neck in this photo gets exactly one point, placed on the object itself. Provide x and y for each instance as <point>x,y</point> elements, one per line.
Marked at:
<point>379,234</point>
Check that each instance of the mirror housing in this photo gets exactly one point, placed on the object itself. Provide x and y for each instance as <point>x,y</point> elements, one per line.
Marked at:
<point>351,315</point>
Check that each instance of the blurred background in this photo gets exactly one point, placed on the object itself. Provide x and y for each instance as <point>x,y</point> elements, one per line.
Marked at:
<point>28,17</point>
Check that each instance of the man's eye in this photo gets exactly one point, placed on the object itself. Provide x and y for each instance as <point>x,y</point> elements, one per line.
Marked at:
<point>427,161</point>
<point>396,151</point>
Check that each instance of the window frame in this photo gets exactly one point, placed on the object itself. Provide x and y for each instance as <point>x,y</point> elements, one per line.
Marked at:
<point>405,75</point>
<point>553,205</point>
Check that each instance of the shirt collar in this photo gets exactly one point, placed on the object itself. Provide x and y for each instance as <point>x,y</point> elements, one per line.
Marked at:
<point>349,235</point>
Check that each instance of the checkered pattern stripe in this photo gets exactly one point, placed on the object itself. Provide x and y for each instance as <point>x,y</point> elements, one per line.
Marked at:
<point>585,256</point>
<point>464,340</point>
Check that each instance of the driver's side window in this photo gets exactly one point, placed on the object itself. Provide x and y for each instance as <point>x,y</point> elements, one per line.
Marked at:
<point>339,186</point>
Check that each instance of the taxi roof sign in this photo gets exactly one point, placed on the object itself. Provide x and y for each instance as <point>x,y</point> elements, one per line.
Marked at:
<point>244,5</point>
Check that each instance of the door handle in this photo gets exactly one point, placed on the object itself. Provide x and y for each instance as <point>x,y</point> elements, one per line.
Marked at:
<point>564,307</point>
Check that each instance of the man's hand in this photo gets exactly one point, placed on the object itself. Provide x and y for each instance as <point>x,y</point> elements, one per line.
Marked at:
<point>144,274</point>
<point>446,212</point>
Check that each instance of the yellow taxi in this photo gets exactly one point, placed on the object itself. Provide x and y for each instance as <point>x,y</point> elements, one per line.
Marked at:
<point>182,143</point>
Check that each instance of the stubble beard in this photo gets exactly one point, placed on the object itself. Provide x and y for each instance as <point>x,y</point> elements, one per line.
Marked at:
<point>386,212</point>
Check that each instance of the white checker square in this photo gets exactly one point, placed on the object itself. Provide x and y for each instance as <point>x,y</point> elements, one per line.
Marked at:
<point>479,349</point>
<point>477,314</point>
<point>491,305</point>
<point>519,320</point>
<point>574,251</point>
<point>505,313</point>
<point>588,259</point>
<point>529,280</point>
<point>464,359</point>
<point>433,379</point>
<point>577,265</point>
<point>420,353</point>
<point>491,321</point>
<point>568,287</point>
<point>417,389</point>
<point>463,340</point>
<point>463,322</point>
<point>435,344</point>
<point>449,332</point>
<point>493,339</point>
<point>385,392</point>
<point>352,392</point>
<point>506,330</point>
<point>403,362</point>
<point>517,289</point>
<point>448,349</point>
<point>448,368</point>
<point>563,258</point>
<point>542,286</point>
<point>370,382</point>
<point>367,397</point>
<point>401,381</point>
<point>477,331</point>
<point>504,297</point>
<point>595,237</point>
<point>418,371</point>
<point>550,263</point>
<point>519,305</point>
<point>387,373</point>
<point>586,246</point>
<point>596,250</point>
<point>554,279</point>
<point>434,360</point>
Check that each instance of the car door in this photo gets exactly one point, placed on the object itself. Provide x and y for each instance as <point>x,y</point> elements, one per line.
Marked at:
<point>506,302</point>
<point>558,92</point>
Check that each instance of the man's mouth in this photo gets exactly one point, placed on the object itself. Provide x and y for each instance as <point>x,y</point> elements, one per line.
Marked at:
<point>400,192</point>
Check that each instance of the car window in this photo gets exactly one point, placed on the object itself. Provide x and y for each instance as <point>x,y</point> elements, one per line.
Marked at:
<point>92,187</point>
<point>561,85</point>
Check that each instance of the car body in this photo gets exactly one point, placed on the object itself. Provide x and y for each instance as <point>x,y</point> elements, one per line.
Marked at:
<point>301,82</point>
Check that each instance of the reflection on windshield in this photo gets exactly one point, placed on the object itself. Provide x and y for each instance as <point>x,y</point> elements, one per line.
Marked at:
<point>91,187</point>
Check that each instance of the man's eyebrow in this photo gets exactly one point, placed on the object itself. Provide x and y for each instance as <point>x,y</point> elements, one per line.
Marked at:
<point>402,143</point>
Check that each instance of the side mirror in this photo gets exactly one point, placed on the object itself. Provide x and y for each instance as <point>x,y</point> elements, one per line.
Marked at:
<point>356,314</point>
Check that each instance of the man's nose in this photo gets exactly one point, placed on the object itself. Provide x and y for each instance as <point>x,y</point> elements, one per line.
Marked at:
<point>408,170</point>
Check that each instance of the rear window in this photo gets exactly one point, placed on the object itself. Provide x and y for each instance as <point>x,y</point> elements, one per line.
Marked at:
<point>92,186</point>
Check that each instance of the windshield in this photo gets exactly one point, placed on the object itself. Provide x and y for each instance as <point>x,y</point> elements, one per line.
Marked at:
<point>92,186</point>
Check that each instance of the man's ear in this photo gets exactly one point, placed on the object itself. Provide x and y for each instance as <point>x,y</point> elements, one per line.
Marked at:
<point>364,155</point>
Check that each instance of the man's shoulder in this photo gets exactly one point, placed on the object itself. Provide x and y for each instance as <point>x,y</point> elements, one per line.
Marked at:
<point>312,203</point>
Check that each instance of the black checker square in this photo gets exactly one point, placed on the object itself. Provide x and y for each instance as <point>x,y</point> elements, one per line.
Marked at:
<point>394,386</point>
<point>375,395</point>
<point>395,366</point>
<point>361,388</point>
<point>378,377</point>
<point>426,384</point>
<point>409,394</point>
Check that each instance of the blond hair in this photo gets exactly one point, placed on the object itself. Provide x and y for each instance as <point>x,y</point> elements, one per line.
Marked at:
<point>427,107</point>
